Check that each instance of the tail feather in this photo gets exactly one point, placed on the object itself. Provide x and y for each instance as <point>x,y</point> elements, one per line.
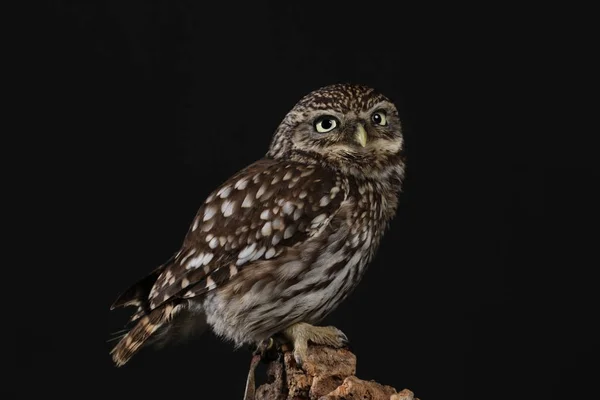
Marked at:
<point>141,333</point>
<point>137,294</point>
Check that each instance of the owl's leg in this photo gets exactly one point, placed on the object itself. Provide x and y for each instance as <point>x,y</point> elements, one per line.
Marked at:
<point>301,333</point>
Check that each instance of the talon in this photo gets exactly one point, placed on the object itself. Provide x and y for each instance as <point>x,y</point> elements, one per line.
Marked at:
<point>300,350</point>
<point>344,339</point>
<point>298,359</point>
<point>270,352</point>
<point>263,347</point>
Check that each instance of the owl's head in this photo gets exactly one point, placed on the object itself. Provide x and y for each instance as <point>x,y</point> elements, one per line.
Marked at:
<point>348,127</point>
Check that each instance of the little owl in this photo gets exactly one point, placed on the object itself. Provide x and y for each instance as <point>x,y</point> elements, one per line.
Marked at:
<point>278,246</point>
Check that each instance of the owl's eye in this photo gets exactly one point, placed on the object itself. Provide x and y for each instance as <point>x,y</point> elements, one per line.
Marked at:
<point>379,118</point>
<point>325,124</point>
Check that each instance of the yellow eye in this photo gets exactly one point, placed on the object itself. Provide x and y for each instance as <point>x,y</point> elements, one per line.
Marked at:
<point>325,124</point>
<point>379,118</point>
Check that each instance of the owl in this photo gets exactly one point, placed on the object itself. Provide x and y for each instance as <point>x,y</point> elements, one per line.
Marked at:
<point>279,245</point>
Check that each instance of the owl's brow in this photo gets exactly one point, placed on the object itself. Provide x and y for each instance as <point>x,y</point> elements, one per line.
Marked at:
<point>382,105</point>
<point>314,114</point>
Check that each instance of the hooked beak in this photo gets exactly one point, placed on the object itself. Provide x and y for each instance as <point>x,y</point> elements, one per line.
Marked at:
<point>361,135</point>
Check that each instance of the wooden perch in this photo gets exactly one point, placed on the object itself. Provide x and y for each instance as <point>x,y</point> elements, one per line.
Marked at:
<point>328,374</point>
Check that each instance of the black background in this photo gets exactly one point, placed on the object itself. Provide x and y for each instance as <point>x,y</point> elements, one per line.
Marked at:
<point>134,111</point>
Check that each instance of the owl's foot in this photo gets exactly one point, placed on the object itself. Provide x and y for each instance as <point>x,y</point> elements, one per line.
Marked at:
<point>264,352</point>
<point>301,333</point>
<point>267,350</point>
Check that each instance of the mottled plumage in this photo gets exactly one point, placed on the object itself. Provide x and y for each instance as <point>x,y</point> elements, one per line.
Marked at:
<point>286,239</point>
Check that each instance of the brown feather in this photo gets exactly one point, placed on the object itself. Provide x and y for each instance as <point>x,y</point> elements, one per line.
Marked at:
<point>137,294</point>
<point>284,195</point>
<point>141,332</point>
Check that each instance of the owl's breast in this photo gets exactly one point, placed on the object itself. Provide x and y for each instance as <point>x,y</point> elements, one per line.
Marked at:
<point>351,242</point>
<point>369,215</point>
<point>309,279</point>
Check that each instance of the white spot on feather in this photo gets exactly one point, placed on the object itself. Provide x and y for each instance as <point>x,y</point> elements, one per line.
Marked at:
<point>227,207</point>
<point>266,214</point>
<point>276,238</point>
<point>209,212</point>
<point>210,283</point>
<point>318,219</point>
<point>247,203</point>
<point>195,262</point>
<point>224,192</point>
<point>207,258</point>
<point>270,253</point>
<point>241,184</point>
<point>297,214</point>
<point>266,229</point>
<point>288,208</point>
<point>258,254</point>
<point>277,223</point>
<point>289,231</point>
<point>261,190</point>
<point>247,250</point>
<point>189,254</point>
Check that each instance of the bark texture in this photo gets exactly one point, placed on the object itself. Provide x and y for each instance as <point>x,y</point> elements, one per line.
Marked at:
<point>328,374</point>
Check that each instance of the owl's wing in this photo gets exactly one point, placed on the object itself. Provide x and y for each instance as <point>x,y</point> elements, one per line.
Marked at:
<point>258,214</point>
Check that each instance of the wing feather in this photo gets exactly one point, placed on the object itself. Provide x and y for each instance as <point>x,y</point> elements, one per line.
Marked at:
<point>258,214</point>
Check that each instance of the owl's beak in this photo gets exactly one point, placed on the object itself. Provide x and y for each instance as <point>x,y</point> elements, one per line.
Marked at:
<point>361,135</point>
